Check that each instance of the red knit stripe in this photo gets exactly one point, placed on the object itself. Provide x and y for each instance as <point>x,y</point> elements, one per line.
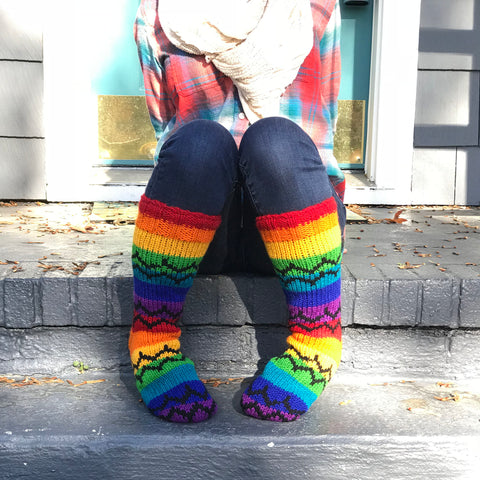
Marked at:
<point>159,210</point>
<point>300,217</point>
<point>165,327</point>
<point>321,332</point>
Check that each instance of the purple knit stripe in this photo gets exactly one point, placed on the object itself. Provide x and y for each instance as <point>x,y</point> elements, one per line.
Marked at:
<point>153,305</point>
<point>264,412</point>
<point>190,412</point>
<point>320,311</point>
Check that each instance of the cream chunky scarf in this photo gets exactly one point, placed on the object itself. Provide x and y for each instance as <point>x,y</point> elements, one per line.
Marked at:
<point>259,44</point>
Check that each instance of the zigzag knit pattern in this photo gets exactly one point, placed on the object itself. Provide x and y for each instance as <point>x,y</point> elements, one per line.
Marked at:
<point>305,249</point>
<point>168,245</point>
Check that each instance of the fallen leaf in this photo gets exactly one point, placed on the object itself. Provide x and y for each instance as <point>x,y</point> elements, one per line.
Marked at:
<point>87,382</point>
<point>346,402</point>
<point>444,384</point>
<point>408,266</point>
<point>110,255</point>
<point>455,397</point>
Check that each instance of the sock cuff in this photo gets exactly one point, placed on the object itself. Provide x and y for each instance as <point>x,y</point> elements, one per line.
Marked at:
<point>161,211</point>
<point>298,217</point>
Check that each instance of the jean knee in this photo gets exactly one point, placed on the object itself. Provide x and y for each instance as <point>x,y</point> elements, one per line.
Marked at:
<point>196,168</point>
<point>201,146</point>
<point>274,144</point>
<point>282,167</point>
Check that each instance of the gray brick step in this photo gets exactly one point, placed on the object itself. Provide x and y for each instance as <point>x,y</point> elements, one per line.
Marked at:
<point>102,296</point>
<point>366,428</point>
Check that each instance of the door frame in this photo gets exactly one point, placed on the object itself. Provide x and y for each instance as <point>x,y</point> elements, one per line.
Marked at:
<point>71,116</point>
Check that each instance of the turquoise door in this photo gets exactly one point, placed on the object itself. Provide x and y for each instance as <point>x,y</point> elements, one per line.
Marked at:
<point>125,135</point>
<point>356,46</point>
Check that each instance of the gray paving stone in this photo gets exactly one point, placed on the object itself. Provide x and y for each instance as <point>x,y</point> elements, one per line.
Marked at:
<point>440,302</point>
<point>403,303</point>
<point>370,292</point>
<point>21,306</point>
<point>57,300</point>
<point>89,295</point>
<point>470,304</point>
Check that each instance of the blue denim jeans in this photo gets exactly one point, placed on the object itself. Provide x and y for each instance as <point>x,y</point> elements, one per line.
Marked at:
<point>276,169</point>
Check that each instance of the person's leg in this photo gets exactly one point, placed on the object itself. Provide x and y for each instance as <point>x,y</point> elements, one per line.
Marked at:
<point>177,219</point>
<point>300,220</point>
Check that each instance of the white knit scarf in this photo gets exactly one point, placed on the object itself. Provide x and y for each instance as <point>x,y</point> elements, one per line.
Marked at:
<point>259,44</point>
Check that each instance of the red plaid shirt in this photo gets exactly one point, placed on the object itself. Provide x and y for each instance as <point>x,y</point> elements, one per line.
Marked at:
<point>180,87</point>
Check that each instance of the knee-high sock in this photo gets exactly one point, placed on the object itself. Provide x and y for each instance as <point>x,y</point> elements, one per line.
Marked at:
<point>305,249</point>
<point>168,245</point>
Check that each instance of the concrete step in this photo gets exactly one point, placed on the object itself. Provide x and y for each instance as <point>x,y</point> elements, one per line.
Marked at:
<point>74,272</point>
<point>362,428</point>
<point>244,350</point>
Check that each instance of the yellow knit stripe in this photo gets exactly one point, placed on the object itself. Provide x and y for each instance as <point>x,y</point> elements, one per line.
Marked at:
<point>327,348</point>
<point>152,350</point>
<point>172,230</point>
<point>301,231</point>
<point>168,246</point>
<point>319,244</point>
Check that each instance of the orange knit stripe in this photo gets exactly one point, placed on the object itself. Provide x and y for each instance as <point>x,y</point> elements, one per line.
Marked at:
<point>172,230</point>
<point>301,231</point>
<point>139,339</point>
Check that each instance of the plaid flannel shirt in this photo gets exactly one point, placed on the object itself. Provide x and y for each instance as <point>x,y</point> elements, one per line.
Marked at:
<point>180,87</point>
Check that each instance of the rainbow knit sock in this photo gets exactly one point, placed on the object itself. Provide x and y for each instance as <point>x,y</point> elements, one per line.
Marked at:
<point>168,245</point>
<point>305,249</point>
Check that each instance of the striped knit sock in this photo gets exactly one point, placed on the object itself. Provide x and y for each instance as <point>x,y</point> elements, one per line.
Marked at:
<point>168,245</point>
<point>305,249</point>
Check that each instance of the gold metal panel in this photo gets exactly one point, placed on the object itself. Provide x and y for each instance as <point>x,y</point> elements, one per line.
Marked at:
<point>124,128</point>
<point>348,142</point>
<point>125,131</point>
